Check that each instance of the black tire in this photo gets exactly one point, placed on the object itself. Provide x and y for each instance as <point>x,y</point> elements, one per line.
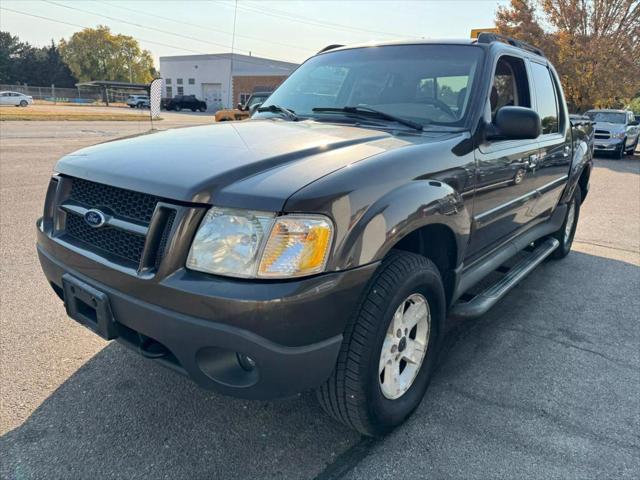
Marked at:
<point>565,242</point>
<point>620,153</point>
<point>353,395</point>
<point>177,108</point>
<point>132,106</point>
<point>23,103</point>
<point>139,105</point>
<point>632,148</point>
<point>193,109</point>
<point>202,109</point>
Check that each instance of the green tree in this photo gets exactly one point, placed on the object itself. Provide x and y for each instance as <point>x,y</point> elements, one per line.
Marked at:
<point>594,45</point>
<point>98,54</point>
<point>635,105</point>
<point>23,63</point>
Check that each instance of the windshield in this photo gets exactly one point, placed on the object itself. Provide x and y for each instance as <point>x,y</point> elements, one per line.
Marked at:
<point>255,99</point>
<point>422,83</point>
<point>608,117</point>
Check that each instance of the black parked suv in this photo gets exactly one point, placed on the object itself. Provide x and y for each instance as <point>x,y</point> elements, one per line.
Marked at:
<point>179,102</point>
<point>323,243</point>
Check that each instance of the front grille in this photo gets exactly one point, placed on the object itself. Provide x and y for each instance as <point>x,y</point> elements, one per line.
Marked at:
<point>123,203</point>
<point>602,134</point>
<point>122,244</point>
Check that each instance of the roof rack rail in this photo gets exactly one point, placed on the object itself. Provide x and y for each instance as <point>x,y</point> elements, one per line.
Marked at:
<point>330,47</point>
<point>487,37</point>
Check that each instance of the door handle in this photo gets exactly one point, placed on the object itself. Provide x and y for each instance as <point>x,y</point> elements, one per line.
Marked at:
<point>532,161</point>
<point>567,151</point>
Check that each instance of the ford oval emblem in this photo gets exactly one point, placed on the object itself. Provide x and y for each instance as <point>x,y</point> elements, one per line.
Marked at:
<point>95,218</point>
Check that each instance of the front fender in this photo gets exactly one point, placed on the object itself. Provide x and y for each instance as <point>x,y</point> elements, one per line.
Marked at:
<point>582,158</point>
<point>401,211</point>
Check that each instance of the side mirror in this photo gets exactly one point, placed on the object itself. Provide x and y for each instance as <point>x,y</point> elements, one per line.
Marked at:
<point>515,123</point>
<point>254,107</point>
<point>240,106</point>
<point>634,123</point>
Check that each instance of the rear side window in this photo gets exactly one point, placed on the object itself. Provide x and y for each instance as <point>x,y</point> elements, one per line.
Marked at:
<point>546,101</point>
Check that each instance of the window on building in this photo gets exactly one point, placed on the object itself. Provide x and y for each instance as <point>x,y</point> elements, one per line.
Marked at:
<point>167,81</point>
<point>547,104</point>
<point>244,98</point>
<point>180,90</point>
<point>179,81</point>
<point>169,92</point>
<point>192,81</point>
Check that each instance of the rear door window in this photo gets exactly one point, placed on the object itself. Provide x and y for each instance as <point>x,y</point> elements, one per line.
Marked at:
<point>546,99</point>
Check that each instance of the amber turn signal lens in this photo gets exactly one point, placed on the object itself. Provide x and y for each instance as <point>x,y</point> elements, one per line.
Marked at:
<point>297,246</point>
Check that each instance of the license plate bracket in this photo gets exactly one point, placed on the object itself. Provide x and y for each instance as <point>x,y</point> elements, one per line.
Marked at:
<point>89,307</point>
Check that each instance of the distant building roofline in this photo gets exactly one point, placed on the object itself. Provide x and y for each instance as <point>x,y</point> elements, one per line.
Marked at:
<point>235,56</point>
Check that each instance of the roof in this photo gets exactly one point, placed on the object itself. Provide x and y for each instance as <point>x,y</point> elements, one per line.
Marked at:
<point>110,84</point>
<point>409,41</point>
<point>235,56</point>
<point>441,41</point>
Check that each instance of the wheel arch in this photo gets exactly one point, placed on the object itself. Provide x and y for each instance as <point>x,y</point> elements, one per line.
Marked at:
<point>437,242</point>
<point>425,217</point>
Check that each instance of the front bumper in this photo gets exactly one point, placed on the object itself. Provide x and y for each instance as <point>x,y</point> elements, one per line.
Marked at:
<point>292,330</point>
<point>607,145</point>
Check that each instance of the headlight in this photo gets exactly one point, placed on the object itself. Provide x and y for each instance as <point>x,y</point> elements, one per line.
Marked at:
<point>618,134</point>
<point>249,244</point>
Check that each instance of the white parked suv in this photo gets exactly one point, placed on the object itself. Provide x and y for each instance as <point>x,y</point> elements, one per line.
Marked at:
<point>16,99</point>
<point>138,101</point>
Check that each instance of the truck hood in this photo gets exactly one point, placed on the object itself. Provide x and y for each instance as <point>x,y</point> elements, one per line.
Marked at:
<point>254,164</point>
<point>610,127</point>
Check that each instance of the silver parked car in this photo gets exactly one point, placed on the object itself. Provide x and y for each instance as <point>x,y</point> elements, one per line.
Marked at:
<point>617,131</point>
<point>138,101</point>
<point>16,99</point>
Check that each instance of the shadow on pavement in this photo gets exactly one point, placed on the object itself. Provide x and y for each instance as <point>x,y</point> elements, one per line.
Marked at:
<point>122,416</point>
<point>545,385</point>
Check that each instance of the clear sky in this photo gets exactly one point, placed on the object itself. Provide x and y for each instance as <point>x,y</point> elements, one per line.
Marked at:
<point>290,30</point>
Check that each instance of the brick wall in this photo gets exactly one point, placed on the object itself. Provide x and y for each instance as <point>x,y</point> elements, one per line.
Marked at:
<point>250,84</point>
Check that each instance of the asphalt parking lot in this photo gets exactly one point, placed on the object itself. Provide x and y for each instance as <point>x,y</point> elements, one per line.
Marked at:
<point>546,385</point>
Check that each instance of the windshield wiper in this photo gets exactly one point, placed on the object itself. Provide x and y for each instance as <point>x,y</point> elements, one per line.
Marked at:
<point>290,114</point>
<point>366,110</point>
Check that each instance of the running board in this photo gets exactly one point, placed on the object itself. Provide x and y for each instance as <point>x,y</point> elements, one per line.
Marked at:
<point>482,302</point>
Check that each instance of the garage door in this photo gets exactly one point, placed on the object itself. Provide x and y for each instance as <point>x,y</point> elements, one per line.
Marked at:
<point>212,94</point>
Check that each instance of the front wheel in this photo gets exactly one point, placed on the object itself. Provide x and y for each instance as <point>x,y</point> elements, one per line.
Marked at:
<point>622,150</point>
<point>568,230</point>
<point>23,103</point>
<point>177,108</point>
<point>389,348</point>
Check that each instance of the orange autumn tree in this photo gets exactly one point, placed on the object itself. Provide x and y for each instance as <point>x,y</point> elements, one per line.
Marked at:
<point>594,45</point>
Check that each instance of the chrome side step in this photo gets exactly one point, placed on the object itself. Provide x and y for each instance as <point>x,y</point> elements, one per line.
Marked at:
<point>482,302</point>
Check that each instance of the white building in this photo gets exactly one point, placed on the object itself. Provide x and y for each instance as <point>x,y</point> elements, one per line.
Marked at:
<point>222,80</point>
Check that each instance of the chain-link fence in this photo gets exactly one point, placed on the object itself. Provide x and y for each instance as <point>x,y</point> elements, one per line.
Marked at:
<point>79,95</point>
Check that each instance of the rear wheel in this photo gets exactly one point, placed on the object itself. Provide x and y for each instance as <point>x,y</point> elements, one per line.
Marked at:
<point>177,108</point>
<point>568,230</point>
<point>389,348</point>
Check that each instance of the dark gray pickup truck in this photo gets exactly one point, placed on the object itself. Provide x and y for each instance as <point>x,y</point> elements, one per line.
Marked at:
<point>323,243</point>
